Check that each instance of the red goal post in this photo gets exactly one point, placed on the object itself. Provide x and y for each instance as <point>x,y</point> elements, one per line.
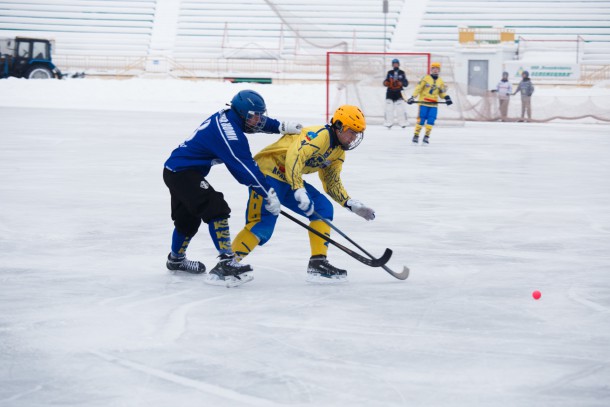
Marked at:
<point>356,78</point>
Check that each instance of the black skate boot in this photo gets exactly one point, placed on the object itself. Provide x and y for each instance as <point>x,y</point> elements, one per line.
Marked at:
<point>229,272</point>
<point>415,139</point>
<point>320,270</point>
<point>184,264</point>
<point>426,140</point>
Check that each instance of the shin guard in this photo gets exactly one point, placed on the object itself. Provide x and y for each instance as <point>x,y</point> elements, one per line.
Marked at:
<point>244,243</point>
<point>319,246</point>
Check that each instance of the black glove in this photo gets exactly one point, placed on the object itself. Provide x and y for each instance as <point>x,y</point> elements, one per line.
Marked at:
<point>411,100</point>
<point>448,100</point>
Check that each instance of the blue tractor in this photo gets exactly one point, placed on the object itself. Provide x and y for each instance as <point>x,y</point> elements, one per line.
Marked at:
<point>27,58</point>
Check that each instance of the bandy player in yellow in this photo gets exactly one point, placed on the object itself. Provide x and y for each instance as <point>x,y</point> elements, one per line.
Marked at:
<point>428,90</point>
<point>317,149</point>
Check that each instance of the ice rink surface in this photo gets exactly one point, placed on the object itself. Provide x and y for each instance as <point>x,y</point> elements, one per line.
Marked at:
<point>485,215</point>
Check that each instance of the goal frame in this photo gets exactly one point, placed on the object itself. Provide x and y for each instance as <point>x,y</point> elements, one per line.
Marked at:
<point>329,54</point>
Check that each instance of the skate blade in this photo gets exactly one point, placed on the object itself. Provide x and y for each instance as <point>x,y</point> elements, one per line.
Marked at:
<point>318,279</point>
<point>229,282</point>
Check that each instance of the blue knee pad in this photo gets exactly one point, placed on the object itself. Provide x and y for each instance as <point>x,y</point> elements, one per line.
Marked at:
<point>264,228</point>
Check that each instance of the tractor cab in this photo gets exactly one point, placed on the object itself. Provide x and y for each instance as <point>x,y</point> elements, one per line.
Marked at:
<point>27,58</point>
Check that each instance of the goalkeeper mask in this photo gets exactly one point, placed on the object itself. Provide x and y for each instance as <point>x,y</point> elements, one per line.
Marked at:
<point>349,124</point>
<point>251,108</point>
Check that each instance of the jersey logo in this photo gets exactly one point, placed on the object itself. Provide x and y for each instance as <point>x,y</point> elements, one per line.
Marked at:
<point>318,161</point>
<point>204,184</point>
<point>311,135</point>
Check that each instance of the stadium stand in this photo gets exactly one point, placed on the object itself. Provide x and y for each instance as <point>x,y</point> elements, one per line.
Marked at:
<point>550,20</point>
<point>281,28</point>
<point>79,27</point>
<point>280,34</point>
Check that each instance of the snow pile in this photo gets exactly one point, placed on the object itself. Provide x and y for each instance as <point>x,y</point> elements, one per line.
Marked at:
<point>166,95</point>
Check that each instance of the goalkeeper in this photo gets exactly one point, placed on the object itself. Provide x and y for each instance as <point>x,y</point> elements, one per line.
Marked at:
<point>316,149</point>
<point>395,81</point>
<point>428,90</point>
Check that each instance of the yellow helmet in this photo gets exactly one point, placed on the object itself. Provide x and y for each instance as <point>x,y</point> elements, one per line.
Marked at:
<point>435,65</point>
<point>349,116</point>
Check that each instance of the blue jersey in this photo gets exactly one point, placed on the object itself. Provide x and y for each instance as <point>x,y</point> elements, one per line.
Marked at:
<point>220,139</point>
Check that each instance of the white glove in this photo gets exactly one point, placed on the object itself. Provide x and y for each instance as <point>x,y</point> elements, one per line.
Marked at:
<point>273,204</point>
<point>305,203</point>
<point>290,128</point>
<point>360,209</point>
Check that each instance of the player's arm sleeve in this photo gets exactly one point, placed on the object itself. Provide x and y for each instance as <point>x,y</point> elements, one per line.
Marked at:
<point>442,90</point>
<point>246,172</point>
<point>236,156</point>
<point>331,181</point>
<point>405,82</point>
<point>271,126</point>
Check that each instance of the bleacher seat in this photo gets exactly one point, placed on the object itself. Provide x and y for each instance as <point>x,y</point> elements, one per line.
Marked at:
<point>281,29</point>
<point>566,20</point>
<point>291,30</point>
<point>86,28</point>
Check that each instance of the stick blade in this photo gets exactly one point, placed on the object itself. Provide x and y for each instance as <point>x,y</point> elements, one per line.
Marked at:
<point>382,260</point>
<point>403,275</point>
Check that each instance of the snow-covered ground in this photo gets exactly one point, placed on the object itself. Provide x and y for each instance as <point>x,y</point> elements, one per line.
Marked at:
<point>485,215</point>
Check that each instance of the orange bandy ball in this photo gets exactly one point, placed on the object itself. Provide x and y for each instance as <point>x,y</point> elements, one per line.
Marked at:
<point>536,294</point>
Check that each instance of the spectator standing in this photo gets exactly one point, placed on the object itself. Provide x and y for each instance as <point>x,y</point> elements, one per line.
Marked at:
<point>504,89</point>
<point>526,87</point>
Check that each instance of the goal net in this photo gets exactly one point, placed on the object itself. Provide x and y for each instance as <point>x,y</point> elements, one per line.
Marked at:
<point>356,78</point>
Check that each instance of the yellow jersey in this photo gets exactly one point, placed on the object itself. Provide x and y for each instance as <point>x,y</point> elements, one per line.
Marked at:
<point>314,150</point>
<point>429,90</point>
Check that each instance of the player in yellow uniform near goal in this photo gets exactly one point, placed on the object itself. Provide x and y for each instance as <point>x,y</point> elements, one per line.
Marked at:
<point>427,92</point>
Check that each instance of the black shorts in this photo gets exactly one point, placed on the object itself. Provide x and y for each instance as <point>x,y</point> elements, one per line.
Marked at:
<point>193,200</point>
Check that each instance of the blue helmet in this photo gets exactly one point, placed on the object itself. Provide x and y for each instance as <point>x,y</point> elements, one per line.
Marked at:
<point>395,61</point>
<point>251,108</point>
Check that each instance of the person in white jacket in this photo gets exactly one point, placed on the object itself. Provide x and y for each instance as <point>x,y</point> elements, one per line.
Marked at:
<point>504,90</point>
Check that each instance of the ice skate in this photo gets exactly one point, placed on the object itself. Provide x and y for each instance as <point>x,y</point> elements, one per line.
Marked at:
<point>229,273</point>
<point>321,271</point>
<point>426,140</point>
<point>415,139</point>
<point>184,264</point>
